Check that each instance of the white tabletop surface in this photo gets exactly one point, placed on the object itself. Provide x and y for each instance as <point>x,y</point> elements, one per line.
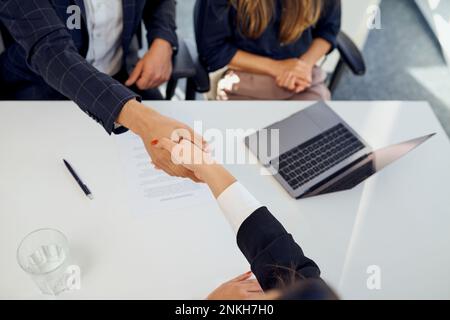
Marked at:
<point>398,220</point>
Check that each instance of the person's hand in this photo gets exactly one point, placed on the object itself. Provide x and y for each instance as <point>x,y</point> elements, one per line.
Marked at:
<point>239,288</point>
<point>151,126</point>
<point>293,74</point>
<point>200,162</point>
<point>154,68</point>
<point>186,154</point>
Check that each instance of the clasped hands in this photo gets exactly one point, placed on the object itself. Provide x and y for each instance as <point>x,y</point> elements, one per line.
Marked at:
<point>150,126</point>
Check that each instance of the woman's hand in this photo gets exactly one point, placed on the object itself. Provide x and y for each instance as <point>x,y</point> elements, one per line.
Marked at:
<point>293,74</point>
<point>186,154</point>
<point>151,125</point>
<point>193,158</point>
<point>239,288</point>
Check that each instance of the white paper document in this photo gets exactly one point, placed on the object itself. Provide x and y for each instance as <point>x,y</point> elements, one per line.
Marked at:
<point>151,190</point>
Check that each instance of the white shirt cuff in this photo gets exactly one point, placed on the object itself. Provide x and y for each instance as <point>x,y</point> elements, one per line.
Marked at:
<point>237,204</point>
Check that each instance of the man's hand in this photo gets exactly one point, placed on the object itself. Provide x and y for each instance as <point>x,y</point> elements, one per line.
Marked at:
<point>240,288</point>
<point>154,68</point>
<point>187,154</point>
<point>151,126</point>
<point>293,74</point>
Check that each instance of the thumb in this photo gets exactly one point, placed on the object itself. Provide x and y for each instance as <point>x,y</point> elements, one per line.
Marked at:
<point>175,149</point>
<point>134,76</point>
<point>190,135</point>
<point>164,143</point>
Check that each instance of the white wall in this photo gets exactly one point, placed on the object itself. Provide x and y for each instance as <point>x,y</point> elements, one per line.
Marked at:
<point>437,13</point>
<point>354,24</point>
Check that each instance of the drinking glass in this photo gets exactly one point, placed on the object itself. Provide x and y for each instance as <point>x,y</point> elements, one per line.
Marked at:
<point>44,255</point>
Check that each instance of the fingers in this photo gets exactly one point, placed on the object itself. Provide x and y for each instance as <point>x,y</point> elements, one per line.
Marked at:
<point>287,81</point>
<point>301,85</point>
<point>252,285</point>
<point>292,82</point>
<point>135,74</point>
<point>304,70</point>
<point>176,150</point>
<point>190,135</point>
<point>165,144</point>
<point>151,79</point>
<point>152,76</point>
<point>162,161</point>
<point>144,80</point>
<point>176,170</point>
<point>160,76</point>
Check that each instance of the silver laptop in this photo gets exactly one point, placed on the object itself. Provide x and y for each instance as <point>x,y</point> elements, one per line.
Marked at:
<point>319,153</point>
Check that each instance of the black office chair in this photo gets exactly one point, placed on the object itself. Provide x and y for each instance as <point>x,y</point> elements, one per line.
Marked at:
<point>187,65</point>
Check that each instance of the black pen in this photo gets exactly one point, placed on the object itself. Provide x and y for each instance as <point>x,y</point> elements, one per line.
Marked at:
<point>83,187</point>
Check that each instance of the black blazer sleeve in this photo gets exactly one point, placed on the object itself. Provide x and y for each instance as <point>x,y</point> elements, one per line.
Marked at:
<point>329,24</point>
<point>159,19</point>
<point>51,53</point>
<point>275,258</point>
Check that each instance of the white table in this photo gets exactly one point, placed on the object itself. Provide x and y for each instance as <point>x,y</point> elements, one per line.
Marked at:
<point>398,219</point>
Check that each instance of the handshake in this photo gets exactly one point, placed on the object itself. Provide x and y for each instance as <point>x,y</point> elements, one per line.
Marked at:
<point>176,149</point>
<point>173,147</point>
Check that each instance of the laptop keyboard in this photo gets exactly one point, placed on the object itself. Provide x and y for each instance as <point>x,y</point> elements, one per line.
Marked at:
<point>307,161</point>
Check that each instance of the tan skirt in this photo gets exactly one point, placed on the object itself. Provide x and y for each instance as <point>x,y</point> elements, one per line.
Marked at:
<point>238,85</point>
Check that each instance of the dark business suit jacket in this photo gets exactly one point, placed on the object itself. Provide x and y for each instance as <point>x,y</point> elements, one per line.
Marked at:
<point>43,58</point>
<point>277,260</point>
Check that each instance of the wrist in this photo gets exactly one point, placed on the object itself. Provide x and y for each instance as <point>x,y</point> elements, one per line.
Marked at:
<point>310,62</point>
<point>159,42</point>
<point>137,117</point>
<point>274,67</point>
<point>216,177</point>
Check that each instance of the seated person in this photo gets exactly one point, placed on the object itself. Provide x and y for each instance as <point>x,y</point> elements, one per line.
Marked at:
<point>281,269</point>
<point>103,39</point>
<point>78,49</point>
<point>270,48</point>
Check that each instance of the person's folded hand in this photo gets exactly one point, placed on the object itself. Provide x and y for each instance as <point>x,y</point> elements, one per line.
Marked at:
<point>291,82</point>
<point>294,75</point>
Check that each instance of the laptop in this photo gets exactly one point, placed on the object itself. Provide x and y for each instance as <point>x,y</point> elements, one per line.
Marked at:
<point>318,153</point>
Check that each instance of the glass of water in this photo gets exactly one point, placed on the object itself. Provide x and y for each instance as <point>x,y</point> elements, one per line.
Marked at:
<point>44,255</point>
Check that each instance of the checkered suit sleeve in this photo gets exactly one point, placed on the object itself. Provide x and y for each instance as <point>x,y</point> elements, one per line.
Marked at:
<point>52,54</point>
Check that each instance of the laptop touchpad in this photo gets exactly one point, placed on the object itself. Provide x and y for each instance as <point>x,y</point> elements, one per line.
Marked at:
<point>296,130</point>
